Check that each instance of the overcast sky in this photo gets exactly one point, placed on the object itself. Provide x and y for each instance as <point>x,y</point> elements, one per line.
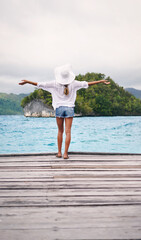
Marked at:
<point>93,35</point>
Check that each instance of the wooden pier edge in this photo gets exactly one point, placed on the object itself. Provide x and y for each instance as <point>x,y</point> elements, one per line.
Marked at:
<point>72,153</point>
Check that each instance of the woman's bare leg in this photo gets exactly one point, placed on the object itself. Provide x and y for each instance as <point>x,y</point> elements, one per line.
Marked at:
<point>68,124</point>
<point>60,124</point>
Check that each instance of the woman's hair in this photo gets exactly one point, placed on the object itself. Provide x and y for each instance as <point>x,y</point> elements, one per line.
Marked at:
<point>66,90</point>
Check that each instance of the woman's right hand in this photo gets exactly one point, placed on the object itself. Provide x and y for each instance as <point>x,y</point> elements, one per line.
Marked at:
<point>23,82</point>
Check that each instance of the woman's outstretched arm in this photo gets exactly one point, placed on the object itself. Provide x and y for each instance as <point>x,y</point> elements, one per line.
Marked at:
<point>27,81</point>
<point>100,81</point>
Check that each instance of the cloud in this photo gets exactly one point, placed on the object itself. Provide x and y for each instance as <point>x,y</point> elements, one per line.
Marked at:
<point>93,35</point>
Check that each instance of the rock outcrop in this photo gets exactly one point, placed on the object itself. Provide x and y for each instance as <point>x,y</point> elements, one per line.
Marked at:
<point>37,108</point>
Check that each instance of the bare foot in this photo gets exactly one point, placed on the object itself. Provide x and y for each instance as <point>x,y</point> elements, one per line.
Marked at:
<point>58,155</point>
<point>66,156</point>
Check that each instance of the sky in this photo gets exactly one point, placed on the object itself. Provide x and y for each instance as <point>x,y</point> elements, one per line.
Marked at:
<point>101,36</point>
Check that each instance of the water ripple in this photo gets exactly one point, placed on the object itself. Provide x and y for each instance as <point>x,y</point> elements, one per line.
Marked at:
<point>104,134</point>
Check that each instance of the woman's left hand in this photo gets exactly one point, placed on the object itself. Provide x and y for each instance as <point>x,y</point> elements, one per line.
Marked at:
<point>105,82</point>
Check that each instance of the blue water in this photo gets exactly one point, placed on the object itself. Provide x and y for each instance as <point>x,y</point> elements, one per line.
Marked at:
<point>92,134</point>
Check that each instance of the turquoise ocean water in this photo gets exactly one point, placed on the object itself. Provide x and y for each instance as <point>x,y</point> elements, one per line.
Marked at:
<point>19,134</point>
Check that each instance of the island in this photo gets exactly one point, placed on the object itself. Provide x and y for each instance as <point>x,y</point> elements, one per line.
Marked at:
<point>97,100</point>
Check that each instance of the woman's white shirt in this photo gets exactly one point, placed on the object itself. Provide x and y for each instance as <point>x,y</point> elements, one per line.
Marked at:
<point>57,91</point>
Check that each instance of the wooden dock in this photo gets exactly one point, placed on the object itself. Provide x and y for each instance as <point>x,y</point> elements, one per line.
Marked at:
<point>89,196</point>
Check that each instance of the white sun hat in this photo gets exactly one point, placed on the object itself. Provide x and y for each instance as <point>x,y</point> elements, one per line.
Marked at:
<point>64,74</point>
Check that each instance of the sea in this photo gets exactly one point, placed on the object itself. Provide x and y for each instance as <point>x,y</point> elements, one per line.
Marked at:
<point>19,134</point>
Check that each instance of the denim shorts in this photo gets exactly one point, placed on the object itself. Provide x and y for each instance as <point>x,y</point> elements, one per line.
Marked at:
<point>64,112</point>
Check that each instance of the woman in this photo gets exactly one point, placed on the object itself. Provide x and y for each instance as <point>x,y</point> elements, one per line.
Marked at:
<point>63,91</point>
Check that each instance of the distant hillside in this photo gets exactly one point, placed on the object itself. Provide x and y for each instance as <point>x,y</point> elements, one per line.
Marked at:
<point>10,104</point>
<point>97,100</point>
<point>135,92</point>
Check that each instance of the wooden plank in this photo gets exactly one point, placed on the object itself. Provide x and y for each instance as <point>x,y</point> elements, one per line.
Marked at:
<point>109,222</point>
<point>52,201</point>
<point>70,175</point>
<point>100,215</point>
<point>14,166</point>
<point>67,192</point>
<point>30,184</point>
<point>74,157</point>
<point>75,180</point>
<point>76,233</point>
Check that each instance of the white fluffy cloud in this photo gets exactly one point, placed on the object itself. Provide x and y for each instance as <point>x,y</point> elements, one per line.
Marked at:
<point>93,35</point>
